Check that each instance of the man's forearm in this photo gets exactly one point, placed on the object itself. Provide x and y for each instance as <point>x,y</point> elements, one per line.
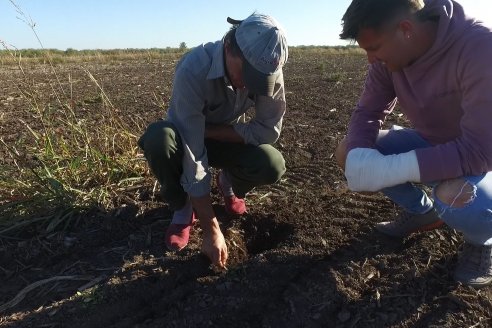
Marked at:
<point>205,213</point>
<point>222,132</point>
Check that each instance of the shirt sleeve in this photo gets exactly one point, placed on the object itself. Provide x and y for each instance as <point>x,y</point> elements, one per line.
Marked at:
<point>187,102</point>
<point>377,101</point>
<point>471,153</point>
<point>265,127</point>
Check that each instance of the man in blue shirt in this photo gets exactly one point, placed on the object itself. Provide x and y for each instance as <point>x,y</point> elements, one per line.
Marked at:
<point>214,85</point>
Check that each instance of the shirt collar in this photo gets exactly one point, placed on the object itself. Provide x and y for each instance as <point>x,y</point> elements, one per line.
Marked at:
<point>217,68</point>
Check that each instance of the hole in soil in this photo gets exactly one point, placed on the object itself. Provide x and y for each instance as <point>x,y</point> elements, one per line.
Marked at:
<point>264,234</point>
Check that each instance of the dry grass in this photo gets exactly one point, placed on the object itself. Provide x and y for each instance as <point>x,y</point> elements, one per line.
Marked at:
<point>68,165</point>
<point>44,56</point>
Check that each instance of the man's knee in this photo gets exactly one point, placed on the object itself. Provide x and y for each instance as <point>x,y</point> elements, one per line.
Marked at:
<point>341,153</point>
<point>273,165</point>
<point>456,193</point>
<point>160,137</point>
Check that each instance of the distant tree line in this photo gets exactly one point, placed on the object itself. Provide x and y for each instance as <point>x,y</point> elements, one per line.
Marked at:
<point>36,53</point>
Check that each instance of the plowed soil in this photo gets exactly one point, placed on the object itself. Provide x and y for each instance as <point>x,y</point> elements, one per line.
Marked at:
<point>305,255</point>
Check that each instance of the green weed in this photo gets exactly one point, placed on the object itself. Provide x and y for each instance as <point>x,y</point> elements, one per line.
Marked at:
<point>66,164</point>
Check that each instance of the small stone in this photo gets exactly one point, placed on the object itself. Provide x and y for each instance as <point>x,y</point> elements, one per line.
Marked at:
<point>384,317</point>
<point>52,313</point>
<point>69,241</point>
<point>392,318</point>
<point>344,316</point>
<point>381,265</point>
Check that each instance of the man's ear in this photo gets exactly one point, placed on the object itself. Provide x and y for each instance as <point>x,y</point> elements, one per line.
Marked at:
<point>227,46</point>
<point>407,29</point>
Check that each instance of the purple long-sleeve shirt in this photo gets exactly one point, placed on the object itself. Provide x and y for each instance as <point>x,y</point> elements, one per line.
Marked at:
<point>446,95</point>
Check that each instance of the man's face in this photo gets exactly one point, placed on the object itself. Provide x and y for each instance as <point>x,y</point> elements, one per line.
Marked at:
<point>387,46</point>
<point>234,68</point>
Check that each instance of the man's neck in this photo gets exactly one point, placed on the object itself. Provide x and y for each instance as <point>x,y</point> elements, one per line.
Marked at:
<point>426,36</point>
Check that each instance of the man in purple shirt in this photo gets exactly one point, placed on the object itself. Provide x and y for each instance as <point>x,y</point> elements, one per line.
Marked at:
<point>434,60</point>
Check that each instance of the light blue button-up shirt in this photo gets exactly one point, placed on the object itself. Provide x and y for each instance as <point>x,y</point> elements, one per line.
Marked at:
<point>202,94</point>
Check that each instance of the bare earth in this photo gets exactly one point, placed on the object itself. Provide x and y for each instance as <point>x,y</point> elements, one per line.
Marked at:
<point>305,255</point>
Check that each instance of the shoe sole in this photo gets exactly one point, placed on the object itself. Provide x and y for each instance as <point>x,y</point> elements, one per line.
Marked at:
<point>428,227</point>
<point>477,285</point>
<point>175,249</point>
<point>474,285</point>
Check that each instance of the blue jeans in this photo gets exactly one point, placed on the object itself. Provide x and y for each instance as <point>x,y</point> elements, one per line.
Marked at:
<point>474,220</point>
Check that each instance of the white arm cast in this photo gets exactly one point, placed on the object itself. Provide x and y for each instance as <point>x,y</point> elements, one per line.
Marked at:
<point>368,170</point>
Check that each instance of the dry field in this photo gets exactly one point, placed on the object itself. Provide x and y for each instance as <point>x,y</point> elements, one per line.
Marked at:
<point>305,255</point>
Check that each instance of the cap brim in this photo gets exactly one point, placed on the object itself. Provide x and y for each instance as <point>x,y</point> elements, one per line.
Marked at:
<point>234,21</point>
<point>258,82</point>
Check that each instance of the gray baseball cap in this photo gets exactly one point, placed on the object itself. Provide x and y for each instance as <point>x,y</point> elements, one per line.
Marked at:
<point>264,47</point>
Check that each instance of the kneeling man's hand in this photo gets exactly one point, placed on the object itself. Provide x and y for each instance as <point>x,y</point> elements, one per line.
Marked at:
<point>367,169</point>
<point>214,245</point>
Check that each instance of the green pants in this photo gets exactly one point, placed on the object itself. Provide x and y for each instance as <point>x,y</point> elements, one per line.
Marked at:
<point>247,166</point>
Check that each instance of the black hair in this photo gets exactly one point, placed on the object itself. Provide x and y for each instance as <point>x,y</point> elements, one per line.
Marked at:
<point>375,14</point>
<point>230,39</point>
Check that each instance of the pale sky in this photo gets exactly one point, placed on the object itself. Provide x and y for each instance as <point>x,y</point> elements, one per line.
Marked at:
<point>110,24</point>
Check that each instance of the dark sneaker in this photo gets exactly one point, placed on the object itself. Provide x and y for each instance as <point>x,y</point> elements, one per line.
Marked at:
<point>177,235</point>
<point>406,223</point>
<point>233,205</point>
<point>474,265</point>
